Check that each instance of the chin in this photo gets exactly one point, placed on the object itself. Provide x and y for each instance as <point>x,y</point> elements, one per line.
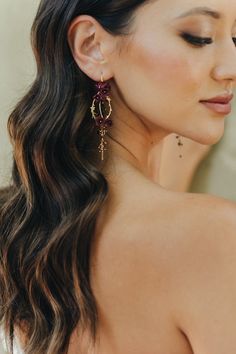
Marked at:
<point>211,137</point>
<point>209,134</point>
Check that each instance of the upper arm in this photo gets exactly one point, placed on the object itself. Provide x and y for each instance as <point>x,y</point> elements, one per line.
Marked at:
<point>204,283</point>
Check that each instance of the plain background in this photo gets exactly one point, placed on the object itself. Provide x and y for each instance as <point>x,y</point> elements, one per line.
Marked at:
<point>17,68</point>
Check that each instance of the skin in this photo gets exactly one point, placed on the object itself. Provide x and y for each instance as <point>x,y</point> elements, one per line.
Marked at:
<point>176,173</point>
<point>161,68</point>
<point>157,81</point>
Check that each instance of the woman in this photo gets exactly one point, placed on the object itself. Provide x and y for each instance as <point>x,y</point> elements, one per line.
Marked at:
<point>96,256</point>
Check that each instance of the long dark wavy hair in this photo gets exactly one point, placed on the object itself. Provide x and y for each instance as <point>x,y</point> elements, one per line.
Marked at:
<point>48,212</point>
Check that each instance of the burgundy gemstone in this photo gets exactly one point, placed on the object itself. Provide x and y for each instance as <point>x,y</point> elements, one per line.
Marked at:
<point>103,85</point>
<point>108,122</point>
<point>104,91</point>
<point>99,120</point>
<point>99,96</point>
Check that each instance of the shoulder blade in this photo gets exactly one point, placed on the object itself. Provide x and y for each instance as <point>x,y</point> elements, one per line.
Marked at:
<point>204,278</point>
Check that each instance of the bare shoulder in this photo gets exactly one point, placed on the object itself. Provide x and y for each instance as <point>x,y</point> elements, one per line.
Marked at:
<point>210,221</point>
<point>195,212</point>
<point>202,273</point>
<point>214,213</point>
<point>185,223</point>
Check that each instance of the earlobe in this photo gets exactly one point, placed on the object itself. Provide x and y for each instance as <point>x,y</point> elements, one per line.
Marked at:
<point>85,47</point>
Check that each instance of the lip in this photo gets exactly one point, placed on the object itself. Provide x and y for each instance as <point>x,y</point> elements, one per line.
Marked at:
<point>220,99</point>
<point>223,108</point>
<point>219,104</point>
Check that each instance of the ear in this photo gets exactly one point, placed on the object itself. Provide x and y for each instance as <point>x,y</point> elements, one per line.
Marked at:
<point>91,46</point>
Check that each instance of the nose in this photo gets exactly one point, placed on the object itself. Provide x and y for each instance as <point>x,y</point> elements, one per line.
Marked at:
<point>225,65</point>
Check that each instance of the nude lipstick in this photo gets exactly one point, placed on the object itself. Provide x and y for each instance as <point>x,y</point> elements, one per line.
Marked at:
<point>219,104</point>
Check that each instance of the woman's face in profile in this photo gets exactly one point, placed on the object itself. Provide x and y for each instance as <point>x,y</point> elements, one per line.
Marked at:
<point>180,52</point>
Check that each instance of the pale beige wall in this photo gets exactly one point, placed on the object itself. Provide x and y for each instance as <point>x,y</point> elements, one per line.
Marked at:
<point>217,173</point>
<point>16,66</point>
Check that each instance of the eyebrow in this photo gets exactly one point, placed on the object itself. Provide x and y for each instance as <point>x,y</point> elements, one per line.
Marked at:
<point>201,11</point>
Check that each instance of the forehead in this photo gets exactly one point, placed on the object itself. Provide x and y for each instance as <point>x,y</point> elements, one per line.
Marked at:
<point>178,9</point>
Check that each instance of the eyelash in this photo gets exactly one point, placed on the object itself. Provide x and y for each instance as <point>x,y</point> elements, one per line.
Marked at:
<point>199,41</point>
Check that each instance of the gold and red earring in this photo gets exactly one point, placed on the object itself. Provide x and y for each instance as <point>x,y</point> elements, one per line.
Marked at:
<point>101,110</point>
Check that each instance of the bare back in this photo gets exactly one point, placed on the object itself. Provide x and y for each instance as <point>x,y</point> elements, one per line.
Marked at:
<point>134,249</point>
<point>153,258</point>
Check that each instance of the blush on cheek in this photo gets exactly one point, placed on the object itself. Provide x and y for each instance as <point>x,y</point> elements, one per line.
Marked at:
<point>158,60</point>
<point>177,75</point>
<point>170,68</point>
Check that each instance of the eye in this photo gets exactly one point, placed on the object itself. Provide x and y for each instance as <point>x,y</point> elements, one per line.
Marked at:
<point>196,41</point>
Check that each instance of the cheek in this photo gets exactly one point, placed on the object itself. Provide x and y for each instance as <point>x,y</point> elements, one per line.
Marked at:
<point>176,74</point>
<point>150,78</point>
<point>169,70</point>
<point>177,84</point>
<point>166,64</point>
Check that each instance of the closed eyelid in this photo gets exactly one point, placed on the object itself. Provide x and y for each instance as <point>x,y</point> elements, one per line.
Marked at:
<point>197,40</point>
<point>196,34</point>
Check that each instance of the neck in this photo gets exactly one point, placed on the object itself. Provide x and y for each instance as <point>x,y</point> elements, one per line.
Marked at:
<point>133,140</point>
<point>146,163</point>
